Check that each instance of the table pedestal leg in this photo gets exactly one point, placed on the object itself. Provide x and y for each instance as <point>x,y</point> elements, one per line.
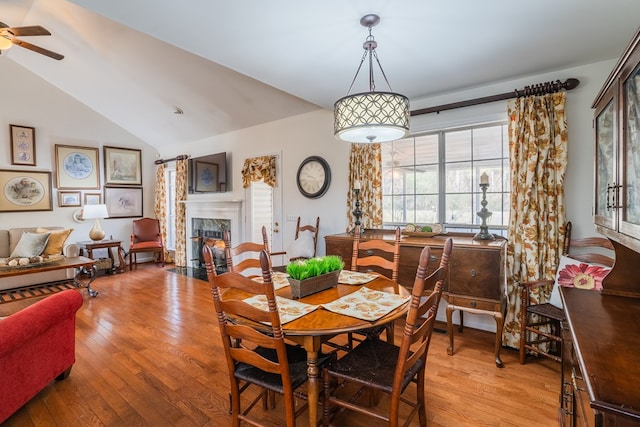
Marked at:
<point>92,275</point>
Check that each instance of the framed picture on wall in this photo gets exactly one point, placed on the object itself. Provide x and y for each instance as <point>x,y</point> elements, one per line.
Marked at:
<point>68,198</point>
<point>206,177</point>
<point>122,166</point>
<point>77,168</point>
<point>123,202</point>
<point>23,145</point>
<point>92,199</point>
<point>24,191</point>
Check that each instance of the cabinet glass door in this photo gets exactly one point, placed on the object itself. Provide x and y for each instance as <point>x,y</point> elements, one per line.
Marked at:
<point>630,220</point>
<point>605,170</point>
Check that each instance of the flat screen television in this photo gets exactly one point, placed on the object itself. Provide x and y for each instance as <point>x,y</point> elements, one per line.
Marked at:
<point>208,174</point>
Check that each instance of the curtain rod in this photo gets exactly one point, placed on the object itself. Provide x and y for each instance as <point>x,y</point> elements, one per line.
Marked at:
<point>538,89</point>
<point>180,157</point>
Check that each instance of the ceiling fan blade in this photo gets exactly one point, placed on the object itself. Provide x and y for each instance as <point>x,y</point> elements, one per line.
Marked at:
<point>34,30</point>
<point>38,49</point>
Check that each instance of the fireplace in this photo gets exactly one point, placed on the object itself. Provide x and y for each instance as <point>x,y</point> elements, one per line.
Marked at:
<point>206,221</point>
<point>210,232</point>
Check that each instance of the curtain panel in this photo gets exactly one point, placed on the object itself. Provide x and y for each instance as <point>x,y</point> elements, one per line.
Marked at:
<point>365,165</point>
<point>538,161</point>
<point>259,168</point>
<point>180,209</point>
<point>159,207</point>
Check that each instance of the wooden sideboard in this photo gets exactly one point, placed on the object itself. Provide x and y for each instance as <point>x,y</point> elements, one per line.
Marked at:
<point>476,280</point>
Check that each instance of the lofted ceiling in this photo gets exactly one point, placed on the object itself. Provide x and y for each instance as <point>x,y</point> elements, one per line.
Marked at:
<point>235,64</point>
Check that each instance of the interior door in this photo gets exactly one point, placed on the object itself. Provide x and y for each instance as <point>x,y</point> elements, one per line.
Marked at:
<point>264,207</point>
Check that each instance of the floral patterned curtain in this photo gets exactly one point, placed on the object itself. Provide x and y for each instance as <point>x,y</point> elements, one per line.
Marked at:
<point>365,165</point>
<point>259,168</point>
<point>538,158</point>
<point>159,207</point>
<point>181,197</point>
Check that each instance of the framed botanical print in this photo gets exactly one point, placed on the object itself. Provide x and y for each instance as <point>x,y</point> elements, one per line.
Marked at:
<point>123,202</point>
<point>68,198</point>
<point>77,168</point>
<point>23,145</point>
<point>24,191</point>
<point>122,166</point>
<point>92,199</point>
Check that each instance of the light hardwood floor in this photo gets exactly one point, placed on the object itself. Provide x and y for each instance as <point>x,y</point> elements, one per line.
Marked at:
<point>148,354</point>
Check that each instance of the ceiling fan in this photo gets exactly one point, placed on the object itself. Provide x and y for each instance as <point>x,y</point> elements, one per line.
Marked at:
<point>10,34</point>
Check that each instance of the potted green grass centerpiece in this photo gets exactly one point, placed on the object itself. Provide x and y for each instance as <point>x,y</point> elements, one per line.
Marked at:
<point>314,275</point>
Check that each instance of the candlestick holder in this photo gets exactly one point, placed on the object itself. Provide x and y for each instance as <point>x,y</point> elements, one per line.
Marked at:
<point>357,213</point>
<point>484,213</point>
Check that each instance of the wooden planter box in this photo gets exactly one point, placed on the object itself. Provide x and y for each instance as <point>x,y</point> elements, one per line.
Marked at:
<point>302,288</point>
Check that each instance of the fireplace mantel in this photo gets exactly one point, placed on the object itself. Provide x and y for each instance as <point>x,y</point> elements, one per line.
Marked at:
<point>217,209</point>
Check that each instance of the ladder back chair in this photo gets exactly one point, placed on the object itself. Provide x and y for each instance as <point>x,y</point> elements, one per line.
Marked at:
<point>258,358</point>
<point>587,259</point>
<point>381,255</point>
<point>245,257</point>
<point>381,366</point>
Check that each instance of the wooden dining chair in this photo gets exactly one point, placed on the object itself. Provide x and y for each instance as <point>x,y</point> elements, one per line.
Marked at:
<point>382,256</point>
<point>384,367</point>
<point>590,257</point>
<point>258,358</point>
<point>245,257</point>
<point>303,247</point>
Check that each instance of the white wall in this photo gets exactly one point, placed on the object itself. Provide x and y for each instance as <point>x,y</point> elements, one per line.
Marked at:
<point>27,100</point>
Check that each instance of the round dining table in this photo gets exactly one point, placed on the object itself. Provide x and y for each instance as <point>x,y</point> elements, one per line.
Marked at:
<point>316,327</point>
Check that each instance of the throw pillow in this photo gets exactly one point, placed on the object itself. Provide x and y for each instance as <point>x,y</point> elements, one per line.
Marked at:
<point>30,244</point>
<point>302,247</point>
<point>55,245</point>
<point>577,274</point>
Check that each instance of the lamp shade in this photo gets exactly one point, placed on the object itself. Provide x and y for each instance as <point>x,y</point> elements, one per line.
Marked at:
<point>95,212</point>
<point>371,117</point>
<point>5,43</point>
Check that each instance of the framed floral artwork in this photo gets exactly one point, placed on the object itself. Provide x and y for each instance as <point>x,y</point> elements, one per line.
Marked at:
<point>77,168</point>
<point>23,191</point>
<point>123,202</point>
<point>23,145</point>
<point>122,166</point>
<point>68,198</point>
<point>92,199</point>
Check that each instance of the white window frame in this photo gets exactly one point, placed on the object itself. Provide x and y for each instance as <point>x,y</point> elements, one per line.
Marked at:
<point>502,193</point>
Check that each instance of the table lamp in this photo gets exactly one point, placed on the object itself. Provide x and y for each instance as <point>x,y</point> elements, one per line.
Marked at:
<point>96,212</point>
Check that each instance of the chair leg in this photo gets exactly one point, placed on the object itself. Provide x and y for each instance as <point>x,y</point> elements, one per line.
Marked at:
<point>326,397</point>
<point>130,260</point>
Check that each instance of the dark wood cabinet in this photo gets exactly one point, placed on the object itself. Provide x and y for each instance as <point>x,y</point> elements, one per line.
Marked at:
<point>476,280</point>
<point>601,335</point>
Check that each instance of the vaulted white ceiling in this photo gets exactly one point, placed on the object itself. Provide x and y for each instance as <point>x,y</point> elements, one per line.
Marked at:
<point>234,64</point>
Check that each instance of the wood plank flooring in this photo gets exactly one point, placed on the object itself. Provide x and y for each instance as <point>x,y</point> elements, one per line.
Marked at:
<point>148,354</point>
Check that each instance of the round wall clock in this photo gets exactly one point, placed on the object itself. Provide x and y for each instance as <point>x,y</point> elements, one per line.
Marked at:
<point>314,177</point>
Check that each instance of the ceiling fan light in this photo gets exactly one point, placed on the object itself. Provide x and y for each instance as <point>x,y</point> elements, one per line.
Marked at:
<point>371,117</point>
<point>5,43</point>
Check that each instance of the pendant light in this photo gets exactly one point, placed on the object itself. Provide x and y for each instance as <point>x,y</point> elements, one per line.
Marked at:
<point>371,117</point>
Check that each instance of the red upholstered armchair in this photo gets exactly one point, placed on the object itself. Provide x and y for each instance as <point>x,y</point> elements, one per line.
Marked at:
<point>146,237</point>
<point>37,345</point>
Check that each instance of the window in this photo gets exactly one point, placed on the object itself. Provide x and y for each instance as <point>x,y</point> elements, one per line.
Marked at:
<point>170,176</point>
<point>434,178</point>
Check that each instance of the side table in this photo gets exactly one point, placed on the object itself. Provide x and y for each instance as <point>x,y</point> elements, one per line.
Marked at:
<point>91,245</point>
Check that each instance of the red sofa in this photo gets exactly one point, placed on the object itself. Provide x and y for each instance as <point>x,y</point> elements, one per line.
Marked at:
<point>37,345</point>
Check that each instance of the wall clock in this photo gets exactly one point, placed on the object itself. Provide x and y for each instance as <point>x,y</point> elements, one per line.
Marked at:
<point>314,177</point>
